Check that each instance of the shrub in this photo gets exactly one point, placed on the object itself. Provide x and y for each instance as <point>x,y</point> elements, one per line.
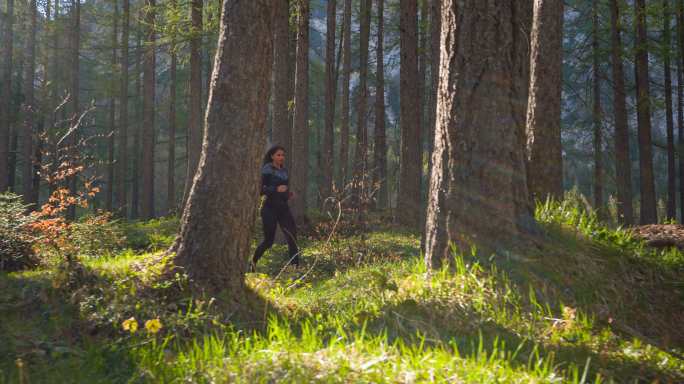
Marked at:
<point>16,239</point>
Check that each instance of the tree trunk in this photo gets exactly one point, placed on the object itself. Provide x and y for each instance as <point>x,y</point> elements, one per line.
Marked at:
<point>235,120</point>
<point>148,114</point>
<point>195,131</point>
<point>109,197</point>
<point>122,166</point>
<point>623,166</point>
<point>671,169</point>
<point>29,109</point>
<point>484,198</point>
<point>597,115</point>
<point>435,22</point>
<point>544,155</point>
<point>680,102</point>
<point>346,74</point>
<point>75,90</point>
<point>300,135</point>
<point>360,156</point>
<point>648,213</point>
<point>330,92</point>
<point>135,170</point>
<point>282,133</point>
<point>380,150</point>
<point>171,172</point>
<point>408,204</point>
<point>6,99</point>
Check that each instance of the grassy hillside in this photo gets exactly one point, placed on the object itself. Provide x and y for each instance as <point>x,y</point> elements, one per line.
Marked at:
<point>588,304</point>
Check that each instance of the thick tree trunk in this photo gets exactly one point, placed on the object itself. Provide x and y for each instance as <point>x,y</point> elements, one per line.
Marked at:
<point>30,109</point>
<point>195,131</point>
<point>235,120</point>
<point>597,114</point>
<point>330,92</point>
<point>148,114</point>
<point>122,162</point>
<point>435,16</point>
<point>479,161</point>
<point>408,204</point>
<point>75,89</point>
<point>623,166</point>
<point>346,74</point>
<point>544,155</point>
<point>135,170</point>
<point>361,152</point>
<point>680,102</point>
<point>380,150</point>
<point>6,95</point>
<point>109,197</point>
<point>282,132</point>
<point>648,213</point>
<point>671,169</point>
<point>299,156</point>
<point>171,170</point>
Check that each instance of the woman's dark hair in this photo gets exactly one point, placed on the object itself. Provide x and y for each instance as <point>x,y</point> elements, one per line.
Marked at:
<point>271,152</point>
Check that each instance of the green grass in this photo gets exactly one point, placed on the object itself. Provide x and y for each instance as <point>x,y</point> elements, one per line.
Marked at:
<point>589,304</point>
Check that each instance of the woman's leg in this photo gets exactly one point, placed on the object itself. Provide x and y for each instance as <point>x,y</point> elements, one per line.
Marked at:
<point>269,221</point>
<point>287,224</point>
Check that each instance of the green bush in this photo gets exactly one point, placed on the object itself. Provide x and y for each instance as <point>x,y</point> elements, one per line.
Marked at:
<point>97,235</point>
<point>16,252</point>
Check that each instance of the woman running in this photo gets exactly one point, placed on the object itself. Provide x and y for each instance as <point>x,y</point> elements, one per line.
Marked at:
<point>275,210</point>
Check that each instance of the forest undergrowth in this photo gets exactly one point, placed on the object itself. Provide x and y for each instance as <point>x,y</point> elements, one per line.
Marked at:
<point>589,304</point>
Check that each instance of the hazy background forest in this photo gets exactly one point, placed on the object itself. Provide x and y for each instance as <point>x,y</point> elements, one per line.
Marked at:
<point>484,191</point>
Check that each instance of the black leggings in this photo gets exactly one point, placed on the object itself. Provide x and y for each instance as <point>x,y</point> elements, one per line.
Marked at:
<point>271,216</point>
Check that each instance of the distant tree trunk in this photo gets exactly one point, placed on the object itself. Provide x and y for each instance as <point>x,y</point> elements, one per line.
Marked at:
<point>360,155</point>
<point>330,92</point>
<point>148,114</point>
<point>484,198</point>
<point>380,151</point>
<point>680,102</point>
<point>597,114</point>
<point>648,214</point>
<point>408,205</point>
<point>29,109</point>
<point>435,23</point>
<point>623,166</point>
<point>6,99</point>
<point>195,131</point>
<point>300,135</point>
<point>671,169</point>
<point>282,132</point>
<point>122,166</point>
<point>423,92</point>
<point>109,197</point>
<point>135,170</point>
<point>346,74</point>
<point>544,155</point>
<point>75,88</point>
<point>235,120</point>
<point>171,172</point>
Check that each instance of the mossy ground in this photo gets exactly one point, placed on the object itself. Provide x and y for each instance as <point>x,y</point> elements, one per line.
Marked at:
<point>589,304</point>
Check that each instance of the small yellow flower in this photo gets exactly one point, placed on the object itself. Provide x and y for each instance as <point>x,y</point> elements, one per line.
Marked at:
<point>153,325</point>
<point>130,325</point>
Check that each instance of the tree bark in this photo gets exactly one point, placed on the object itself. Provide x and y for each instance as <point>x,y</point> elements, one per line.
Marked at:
<point>623,165</point>
<point>680,102</point>
<point>30,109</point>
<point>148,113</point>
<point>435,22</point>
<point>648,212</point>
<point>300,135</point>
<point>5,100</point>
<point>109,197</point>
<point>171,170</point>
<point>75,89</point>
<point>360,155</point>
<point>346,74</point>
<point>330,92</point>
<point>282,132</point>
<point>597,115</point>
<point>671,169</point>
<point>195,131</point>
<point>544,154</point>
<point>236,120</point>
<point>380,150</point>
<point>135,170</point>
<point>122,166</point>
<point>408,204</point>
<point>479,161</point>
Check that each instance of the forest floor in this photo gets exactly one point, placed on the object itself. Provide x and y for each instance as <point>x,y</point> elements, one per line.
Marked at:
<point>592,304</point>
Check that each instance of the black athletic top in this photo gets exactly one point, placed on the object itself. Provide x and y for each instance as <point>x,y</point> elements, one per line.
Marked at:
<point>271,178</point>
